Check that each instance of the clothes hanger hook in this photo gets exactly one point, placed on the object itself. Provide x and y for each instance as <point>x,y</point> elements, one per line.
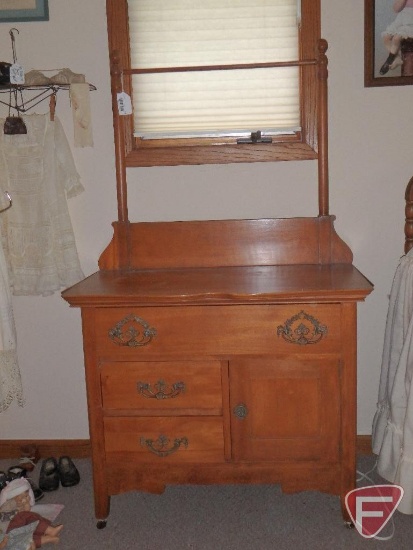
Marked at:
<point>13,42</point>
<point>7,195</point>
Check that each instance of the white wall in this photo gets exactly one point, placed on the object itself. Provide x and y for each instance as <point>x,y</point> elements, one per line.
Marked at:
<point>370,165</point>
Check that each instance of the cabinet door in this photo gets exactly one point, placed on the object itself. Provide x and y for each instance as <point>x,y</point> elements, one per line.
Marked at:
<point>284,409</point>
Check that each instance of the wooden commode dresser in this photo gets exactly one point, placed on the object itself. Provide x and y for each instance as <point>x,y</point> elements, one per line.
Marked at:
<point>222,373</point>
<point>222,351</point>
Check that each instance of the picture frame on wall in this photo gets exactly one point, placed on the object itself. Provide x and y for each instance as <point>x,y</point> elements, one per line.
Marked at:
<point>382,19</point>
<point>23,10</point>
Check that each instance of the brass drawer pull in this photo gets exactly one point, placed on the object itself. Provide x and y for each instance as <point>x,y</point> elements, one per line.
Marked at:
<point>302,329</point>
<point>161,393</point>
<point>240,411</point>
<point>132,331</point>
<point>159,447</point>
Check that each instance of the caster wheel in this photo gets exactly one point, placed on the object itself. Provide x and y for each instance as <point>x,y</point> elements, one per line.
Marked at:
<point>349,524</point>
<point>101,524</point>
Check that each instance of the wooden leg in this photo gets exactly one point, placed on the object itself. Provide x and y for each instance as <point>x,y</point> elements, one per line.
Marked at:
<point>102,508</point>
<point>348,522</point>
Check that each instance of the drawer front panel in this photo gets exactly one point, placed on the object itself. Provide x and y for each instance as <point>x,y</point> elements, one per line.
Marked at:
<point>218,330</point>
<point>162,386</point>
<point>165,440</point>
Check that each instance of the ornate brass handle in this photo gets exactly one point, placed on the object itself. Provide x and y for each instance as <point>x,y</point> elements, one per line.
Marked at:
<point>302,329</point>
<point>144,388</point>
<point>132,331</point>
<point>240,411</point>
<point>159,447</point>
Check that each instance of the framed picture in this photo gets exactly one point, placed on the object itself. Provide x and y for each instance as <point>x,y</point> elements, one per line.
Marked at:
<point>388,56</point>
<point>24,10</point>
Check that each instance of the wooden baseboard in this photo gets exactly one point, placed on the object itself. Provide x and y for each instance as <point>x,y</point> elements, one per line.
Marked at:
<point>80,448</point>
<point>364,445</point>
<point>75,448</point>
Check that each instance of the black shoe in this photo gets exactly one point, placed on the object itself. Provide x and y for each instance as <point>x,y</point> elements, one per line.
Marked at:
<point>49,475</point>
<point>37,492</point>
<point>387,64</point>
<point>16,472</point>
<point>68,472</point>
<point>385,68</point>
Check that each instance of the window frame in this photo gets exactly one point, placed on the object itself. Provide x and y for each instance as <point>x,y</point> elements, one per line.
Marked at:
<point>193,151</point>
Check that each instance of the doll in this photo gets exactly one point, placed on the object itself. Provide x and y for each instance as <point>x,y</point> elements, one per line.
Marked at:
<point>402,27</point>
<point>20,491</point>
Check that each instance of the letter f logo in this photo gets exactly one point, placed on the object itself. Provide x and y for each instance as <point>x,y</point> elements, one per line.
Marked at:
<point>370,508</point>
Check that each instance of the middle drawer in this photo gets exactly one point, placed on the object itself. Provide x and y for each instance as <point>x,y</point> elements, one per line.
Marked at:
<point>162,386</point>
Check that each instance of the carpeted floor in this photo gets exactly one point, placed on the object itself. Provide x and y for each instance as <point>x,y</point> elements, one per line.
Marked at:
<point>238,517</point>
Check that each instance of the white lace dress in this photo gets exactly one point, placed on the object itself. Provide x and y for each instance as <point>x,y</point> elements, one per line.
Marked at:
<point>10,379</point>
<point>393,421</point>
<point>38,171</point>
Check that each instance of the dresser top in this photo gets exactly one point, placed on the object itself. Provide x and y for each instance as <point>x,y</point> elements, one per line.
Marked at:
<point>221,285</point>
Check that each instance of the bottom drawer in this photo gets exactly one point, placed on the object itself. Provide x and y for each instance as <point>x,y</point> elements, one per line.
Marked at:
<point>149,439</point>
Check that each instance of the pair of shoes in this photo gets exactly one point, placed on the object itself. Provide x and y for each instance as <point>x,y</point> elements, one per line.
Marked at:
<point>52,473</point>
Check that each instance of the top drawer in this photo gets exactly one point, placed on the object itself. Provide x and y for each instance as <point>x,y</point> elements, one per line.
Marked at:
<point>217,330</point>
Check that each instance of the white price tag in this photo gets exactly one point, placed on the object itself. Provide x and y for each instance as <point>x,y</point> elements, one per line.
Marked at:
<point>16,74</point>
<point>124,103</point>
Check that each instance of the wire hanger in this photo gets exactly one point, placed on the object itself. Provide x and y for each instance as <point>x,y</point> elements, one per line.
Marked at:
<point>8,197</point>
<point>41,91</point>
<point>14,124</point>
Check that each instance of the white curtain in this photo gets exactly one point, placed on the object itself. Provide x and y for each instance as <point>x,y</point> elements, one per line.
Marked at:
<point>393,421</point>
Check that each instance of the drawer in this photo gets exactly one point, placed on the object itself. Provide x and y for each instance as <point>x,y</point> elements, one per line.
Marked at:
<point>166,440</point>
<point>176,386</point>
<point>218,330</point>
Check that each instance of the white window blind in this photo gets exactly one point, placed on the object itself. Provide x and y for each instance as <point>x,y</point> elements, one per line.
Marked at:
<point>182,33</point>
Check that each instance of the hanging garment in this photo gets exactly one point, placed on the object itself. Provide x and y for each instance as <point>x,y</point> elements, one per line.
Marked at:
<point>38,170</point>
<point>10,379</point>
<point>393,421</point>
<point>82,117</point>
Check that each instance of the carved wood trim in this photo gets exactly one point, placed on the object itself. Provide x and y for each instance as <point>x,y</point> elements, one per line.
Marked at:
<point>117,254</point>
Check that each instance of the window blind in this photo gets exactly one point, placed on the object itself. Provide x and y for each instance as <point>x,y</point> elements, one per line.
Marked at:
<point>182,33</point>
